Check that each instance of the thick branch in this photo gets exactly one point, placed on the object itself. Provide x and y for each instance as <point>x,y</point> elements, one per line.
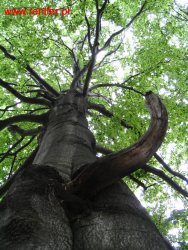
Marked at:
<point>22,98</point>
<point>166,178</point>
<point>141,184</point>
<point>23,132</point>
<point>160,173</point>
<point>94,51</point>
<point>111,168</point>
<point>107,151</point>
<point>101,108</point>
<point>32,72</point>
<point>25,117</point>
<point>7,54</point>
<point>41,81</point>
<point>94,48</point>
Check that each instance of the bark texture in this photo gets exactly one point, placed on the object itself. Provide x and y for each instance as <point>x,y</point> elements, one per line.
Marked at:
<point>117,222</point>
<point>32,216</point>
<point>68,144</point>
<point>39,212</point>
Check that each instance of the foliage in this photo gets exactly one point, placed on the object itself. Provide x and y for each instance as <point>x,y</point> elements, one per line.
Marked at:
<point>152,55</point>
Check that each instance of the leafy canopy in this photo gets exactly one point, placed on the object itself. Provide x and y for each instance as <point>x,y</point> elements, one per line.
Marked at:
<point>151,54</point>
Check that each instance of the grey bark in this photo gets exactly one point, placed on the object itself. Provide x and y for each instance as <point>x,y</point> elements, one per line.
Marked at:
<point>38,213</point>
<point>68,144</point>
<point>117,221</point>
<point>31,216</point>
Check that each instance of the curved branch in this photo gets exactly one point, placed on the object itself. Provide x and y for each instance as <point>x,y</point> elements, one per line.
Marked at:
<point>153,170</point>
<point>112,167</point>
<point>107,151</point>
<point>25,117</point>
<point>166,178</point>
<point>22,98</point>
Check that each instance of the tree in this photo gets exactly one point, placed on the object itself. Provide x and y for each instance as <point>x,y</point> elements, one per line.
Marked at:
<point>56,71</point>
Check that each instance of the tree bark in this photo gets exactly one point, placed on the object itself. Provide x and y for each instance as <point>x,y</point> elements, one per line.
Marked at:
<point>38,212</point>
<point>117,221</point>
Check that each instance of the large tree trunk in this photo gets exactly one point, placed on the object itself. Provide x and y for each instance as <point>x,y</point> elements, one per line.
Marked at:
<point>117,222</point>
<point>38,213</point>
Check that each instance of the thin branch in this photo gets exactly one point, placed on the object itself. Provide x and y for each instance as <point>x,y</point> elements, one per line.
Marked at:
<point>4,188</point>
<point>32,72</point>
<point>94,50</point>
<point>161,161</point>
<point>15,154</point>
<point>101,108</point>
<point>103,6</point>
<point>12,165</point>
<point>71,51</point>
<point>8,152</point>
<point>22,98</point>
<point>31,111</point>
<point>79,75</point>
<point>88,32</point>
<point>115,85</point>
<point>109,40</point>
<point>89,73</point>
<point>100,96</point>
<point>83,42</point>
<point>98,65</point>
<point>166,178</point>
<point>8,107</point>
<point>25,145</point>
<point>25,117</point>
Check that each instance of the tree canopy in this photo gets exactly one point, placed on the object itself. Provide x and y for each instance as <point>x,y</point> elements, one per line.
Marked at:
<point>141,46</point>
